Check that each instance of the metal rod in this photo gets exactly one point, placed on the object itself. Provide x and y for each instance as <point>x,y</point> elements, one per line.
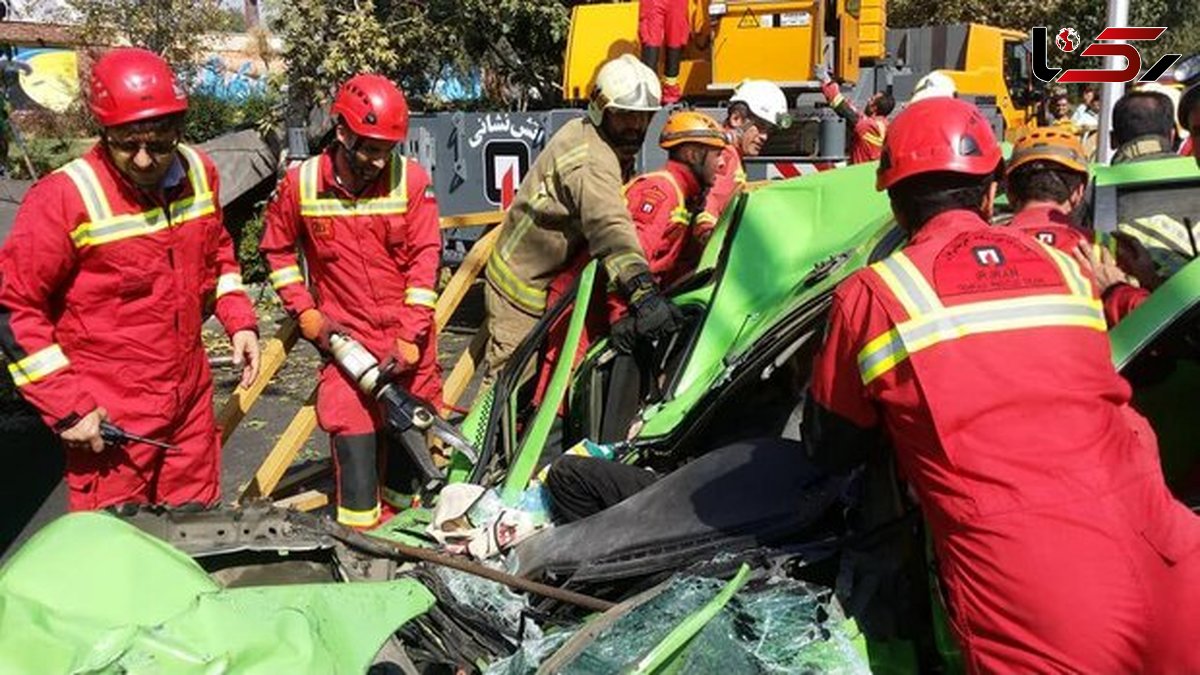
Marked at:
<point>1118,16</point>
<point>394,549</point>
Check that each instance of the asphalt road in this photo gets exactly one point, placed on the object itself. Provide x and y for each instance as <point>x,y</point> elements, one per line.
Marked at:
<point>31,490</point>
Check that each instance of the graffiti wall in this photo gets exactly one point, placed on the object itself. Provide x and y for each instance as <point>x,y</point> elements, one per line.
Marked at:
<point>48,77</point>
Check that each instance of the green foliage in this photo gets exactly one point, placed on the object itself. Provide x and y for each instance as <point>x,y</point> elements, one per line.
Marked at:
<point>254,269</point>
<point>173,28</point>
<point>516,45</point>
<point>209,116</point>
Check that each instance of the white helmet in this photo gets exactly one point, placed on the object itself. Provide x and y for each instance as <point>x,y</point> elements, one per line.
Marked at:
<point>765,99</point>
<point>625,83</point>
<point>933,85</point>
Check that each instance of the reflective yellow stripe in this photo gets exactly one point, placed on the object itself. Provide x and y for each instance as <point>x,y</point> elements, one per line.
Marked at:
<point>837,100</point>
<point>104,227</point>
<point>286,275</point>
<point>706,218</point>
<point>614,264</point>
<point>88,185</point>
<point>510,285</point>
<point>1071,273</point>
<point>230,283</point>
<point>354,518</point>
<point>396,499</point>
<point>196,173</point>
<point>38,365</point>
<point>907,284</point>
<point>681,216</point>
<point>420,296</point>
<point>312,205</point>
<point>885,351</point>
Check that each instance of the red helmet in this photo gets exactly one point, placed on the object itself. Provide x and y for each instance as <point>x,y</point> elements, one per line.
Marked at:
<point>130,85</point>
<point>373,107</point>
<point>937,134</point>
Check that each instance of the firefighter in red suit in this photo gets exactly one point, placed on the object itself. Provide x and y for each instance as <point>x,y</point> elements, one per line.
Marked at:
<point>757,109</point>
<point>104,282</point>
<point>663,25</point>
<point>868,128</point>
<point>662,204</point>
<point>1046,178</point>
<point>367,221</point>
<point>981,356</point>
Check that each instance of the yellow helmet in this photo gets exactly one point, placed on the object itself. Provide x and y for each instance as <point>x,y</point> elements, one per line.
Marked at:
<point>689,126</point>
<point>1048,144</point>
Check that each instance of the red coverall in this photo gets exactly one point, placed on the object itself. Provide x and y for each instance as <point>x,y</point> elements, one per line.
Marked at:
<point>659,204</point>
<point>867,131</point>
<point>102,296</point>
<point>373,264</point>
<point>985,359</point>
<point>730,180</point>
<point>1053,228</point>
<point>663,23</point>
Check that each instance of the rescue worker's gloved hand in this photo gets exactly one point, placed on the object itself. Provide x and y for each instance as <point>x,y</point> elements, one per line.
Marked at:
<point>623,337</point>
<point>402,359</point>
<point>655,316</point>
<point>316,328</point>
<point>85,433</point>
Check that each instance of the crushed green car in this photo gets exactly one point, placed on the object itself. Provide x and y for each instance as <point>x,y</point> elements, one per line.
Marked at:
<point>738,528</point>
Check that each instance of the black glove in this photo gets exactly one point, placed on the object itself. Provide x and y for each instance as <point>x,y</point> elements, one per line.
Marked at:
<point>656,317</point>
<point>624,335</point>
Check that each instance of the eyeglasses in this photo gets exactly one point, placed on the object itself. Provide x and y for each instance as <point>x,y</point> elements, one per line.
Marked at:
<point>131,147</point>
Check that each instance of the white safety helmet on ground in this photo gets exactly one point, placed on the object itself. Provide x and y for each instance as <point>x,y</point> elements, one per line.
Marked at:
<point>932,85</point>
<point>625,83</point>
<point>765,99</point>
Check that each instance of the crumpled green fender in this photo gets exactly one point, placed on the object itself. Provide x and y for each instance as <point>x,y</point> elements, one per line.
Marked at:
<point>785,230</point>
<point>91,593</point>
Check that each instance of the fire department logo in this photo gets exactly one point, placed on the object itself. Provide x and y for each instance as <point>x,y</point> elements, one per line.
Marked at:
<point>1067,40</point>
<point>988,256</point>
<point>1046,238</point>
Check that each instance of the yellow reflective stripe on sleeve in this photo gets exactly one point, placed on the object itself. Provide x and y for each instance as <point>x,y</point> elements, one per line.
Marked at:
<point>1070,271</point>
<point>230,283</point>
<point>885,351</point>
<point>681,216</point>
<point>837,100</point>
<point>571,159</point>
<point>510,285</point>
<point>424,297</point>
<point>873,139</point>
<point>312,205</point>
<point>907,284</point>
<point>739,176</point>
<point>615,263</point>
<point>706,218</point>
<point>285,276</point>
<point>38,365</point>
<point>354,518</point>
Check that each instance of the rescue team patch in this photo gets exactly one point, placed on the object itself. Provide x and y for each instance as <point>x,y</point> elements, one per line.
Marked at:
<point>987,262</point>
<point>321,228</point>
<point>1046,237</point>
<point>651,198</point>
